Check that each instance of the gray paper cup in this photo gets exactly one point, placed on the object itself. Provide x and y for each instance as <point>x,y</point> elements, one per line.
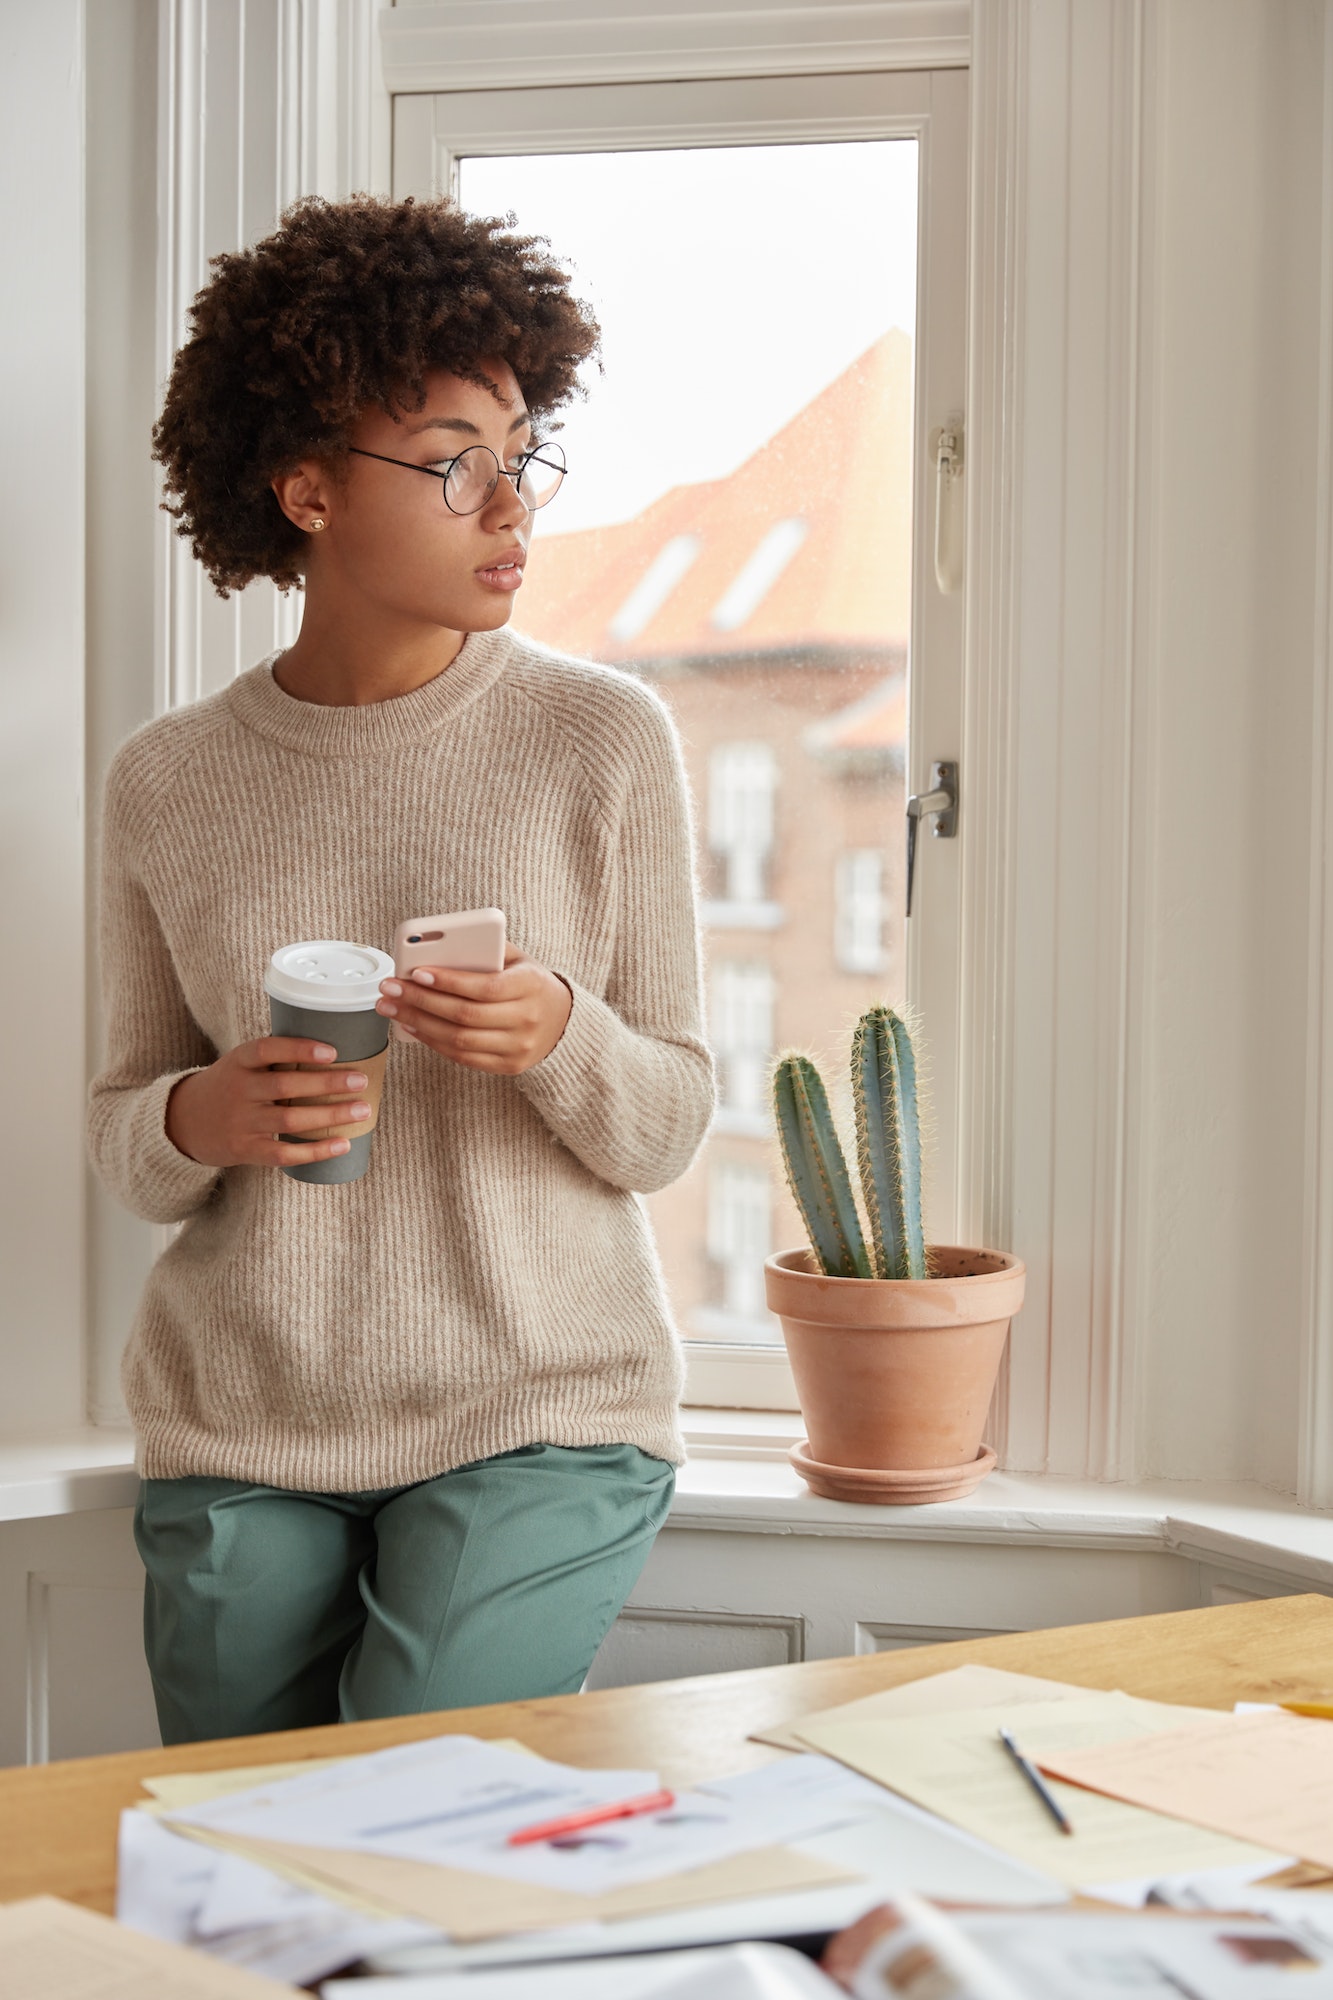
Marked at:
<point>326,991</point>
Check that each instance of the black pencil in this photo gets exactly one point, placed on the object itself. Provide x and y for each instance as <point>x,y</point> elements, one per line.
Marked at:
<point>1034,1778</point>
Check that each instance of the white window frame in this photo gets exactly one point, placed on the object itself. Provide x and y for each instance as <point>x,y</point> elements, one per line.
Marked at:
<point>662,80</point>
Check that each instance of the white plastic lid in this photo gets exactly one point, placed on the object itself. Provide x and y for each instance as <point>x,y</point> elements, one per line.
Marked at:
<point>328,974</point>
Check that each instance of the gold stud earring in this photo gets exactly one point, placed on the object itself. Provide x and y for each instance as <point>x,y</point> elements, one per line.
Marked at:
<point>315,524</point>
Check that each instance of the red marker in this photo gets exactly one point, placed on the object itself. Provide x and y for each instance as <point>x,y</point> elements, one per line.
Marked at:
<point>594,1816</point>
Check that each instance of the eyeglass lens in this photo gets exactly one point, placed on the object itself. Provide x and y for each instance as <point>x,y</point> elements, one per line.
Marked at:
<point>475,473</point>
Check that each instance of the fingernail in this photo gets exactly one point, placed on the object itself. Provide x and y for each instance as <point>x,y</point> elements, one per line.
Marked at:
<point>385,1007</point>
<point>391,986</point>
<point>355,1082</point>
<point>323,1051</point>
<point>426,978</point>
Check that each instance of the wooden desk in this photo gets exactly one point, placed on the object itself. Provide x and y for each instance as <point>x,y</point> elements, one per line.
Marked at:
<point>58,1821</point>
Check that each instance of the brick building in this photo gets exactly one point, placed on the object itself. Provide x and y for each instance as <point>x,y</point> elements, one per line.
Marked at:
<point>771,611</point>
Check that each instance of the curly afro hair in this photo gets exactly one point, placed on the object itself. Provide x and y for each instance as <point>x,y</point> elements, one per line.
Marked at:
<point>347,305</point>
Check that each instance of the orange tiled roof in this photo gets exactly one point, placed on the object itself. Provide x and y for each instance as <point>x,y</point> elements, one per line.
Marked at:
<point>878,721</point>
<point>729,561</point>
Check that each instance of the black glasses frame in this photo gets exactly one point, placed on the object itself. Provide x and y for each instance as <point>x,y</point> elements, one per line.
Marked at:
<point>501,472</point>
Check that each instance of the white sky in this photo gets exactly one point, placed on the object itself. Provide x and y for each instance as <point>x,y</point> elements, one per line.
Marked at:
<point>732,285</point>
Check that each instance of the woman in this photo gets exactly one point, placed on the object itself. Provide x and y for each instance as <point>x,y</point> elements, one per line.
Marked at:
<point>405,1442</point>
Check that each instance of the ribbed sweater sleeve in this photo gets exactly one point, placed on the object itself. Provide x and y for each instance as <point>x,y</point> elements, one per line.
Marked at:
<point>152,1039</point>
<point>630,1085</point>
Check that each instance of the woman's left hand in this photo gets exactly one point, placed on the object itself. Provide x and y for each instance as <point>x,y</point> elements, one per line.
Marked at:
<point>502,1022</point>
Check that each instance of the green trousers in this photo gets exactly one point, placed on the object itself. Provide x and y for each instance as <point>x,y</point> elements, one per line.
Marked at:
<point>266,1609</point>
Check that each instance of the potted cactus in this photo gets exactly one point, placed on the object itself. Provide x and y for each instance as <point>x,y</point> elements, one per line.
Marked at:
<point>895,1345</point>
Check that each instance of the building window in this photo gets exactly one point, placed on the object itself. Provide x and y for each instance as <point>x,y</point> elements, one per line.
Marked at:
<point>654,587</point>
<point>858,911</point>
<point>751,585</point>
<point>741,1031</point>
<point>739,1238</point>
<point>741,781</point>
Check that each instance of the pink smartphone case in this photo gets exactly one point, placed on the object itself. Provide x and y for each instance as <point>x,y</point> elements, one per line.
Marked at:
<point>467,940</point>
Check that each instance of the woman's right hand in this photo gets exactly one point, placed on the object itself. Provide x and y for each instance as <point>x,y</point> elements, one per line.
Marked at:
<point>227,1115</point>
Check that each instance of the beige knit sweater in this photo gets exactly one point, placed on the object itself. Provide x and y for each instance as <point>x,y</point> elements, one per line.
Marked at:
<point>491,1281</point>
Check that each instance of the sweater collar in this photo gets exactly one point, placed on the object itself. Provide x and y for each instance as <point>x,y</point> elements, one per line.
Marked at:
<point>347,731</point>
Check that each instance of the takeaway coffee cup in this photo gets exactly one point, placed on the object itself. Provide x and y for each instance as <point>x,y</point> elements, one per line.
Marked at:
<point>326,991</point>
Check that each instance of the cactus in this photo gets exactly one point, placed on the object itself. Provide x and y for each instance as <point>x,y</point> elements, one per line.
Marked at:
<point>888,1142</point>
<point>888,1154</point>
<point>816,1169</point>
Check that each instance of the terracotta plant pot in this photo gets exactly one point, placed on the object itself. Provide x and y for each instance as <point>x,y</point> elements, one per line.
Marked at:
<point>895,1375</point>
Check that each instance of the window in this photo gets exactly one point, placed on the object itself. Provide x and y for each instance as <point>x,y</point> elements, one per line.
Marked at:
<point>739,1239</point>
<point>738,529</point>
<point>743,597</point>
<point>858,911</point>
<point>654,587</point>
<point>740,1027</point>
<point>741,780</point>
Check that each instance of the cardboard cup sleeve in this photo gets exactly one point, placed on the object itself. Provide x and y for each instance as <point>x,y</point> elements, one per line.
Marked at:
<point>372,1068</point>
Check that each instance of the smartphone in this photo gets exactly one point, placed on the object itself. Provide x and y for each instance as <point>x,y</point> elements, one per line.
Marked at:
<point>467,940</point>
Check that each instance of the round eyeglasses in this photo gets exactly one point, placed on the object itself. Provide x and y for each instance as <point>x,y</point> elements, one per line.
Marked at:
<point>472,477</point>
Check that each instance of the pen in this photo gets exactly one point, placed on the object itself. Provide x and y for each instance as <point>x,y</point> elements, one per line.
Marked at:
<point>593,1816</point>
<point>1033,1776</point>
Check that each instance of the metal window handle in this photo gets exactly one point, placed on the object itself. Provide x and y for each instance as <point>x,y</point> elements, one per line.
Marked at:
<point>939,804</point>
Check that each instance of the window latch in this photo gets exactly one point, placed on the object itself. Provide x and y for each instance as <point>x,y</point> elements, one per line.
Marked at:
<point>940,804</point>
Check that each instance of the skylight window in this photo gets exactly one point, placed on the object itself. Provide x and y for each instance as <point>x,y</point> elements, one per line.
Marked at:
<point>654,587</point>
<point>748,590</point>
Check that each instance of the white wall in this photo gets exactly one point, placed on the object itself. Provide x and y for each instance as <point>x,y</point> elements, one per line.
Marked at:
<point>122,536</point>
<point>42,817</point>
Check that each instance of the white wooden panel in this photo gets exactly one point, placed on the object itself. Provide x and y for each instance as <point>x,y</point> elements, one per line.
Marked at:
<point>73,1681</point>
<point>98,1697</point>
<point>844,1587</point>
<point>874,1637</point>
<point>661,1645</point>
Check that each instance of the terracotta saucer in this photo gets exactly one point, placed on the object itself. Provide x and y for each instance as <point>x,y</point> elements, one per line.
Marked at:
<point>891,1489</point>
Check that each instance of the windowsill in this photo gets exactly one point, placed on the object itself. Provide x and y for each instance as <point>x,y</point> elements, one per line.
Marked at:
<point>67,1472</point>
<point>738,1481</point>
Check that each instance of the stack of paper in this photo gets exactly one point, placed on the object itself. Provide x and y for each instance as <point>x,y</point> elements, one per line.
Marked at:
<point>937,1741</point>
<point>315,1867</point>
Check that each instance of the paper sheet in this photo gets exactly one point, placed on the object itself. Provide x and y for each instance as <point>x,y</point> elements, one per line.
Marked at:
<point>961,1687</point>
<point>61,1952</point>
<point>1270,1776</point>
<point>953,1764</point>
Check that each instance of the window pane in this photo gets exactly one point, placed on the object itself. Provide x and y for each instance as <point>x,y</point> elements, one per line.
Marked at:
<point>736,528</point>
